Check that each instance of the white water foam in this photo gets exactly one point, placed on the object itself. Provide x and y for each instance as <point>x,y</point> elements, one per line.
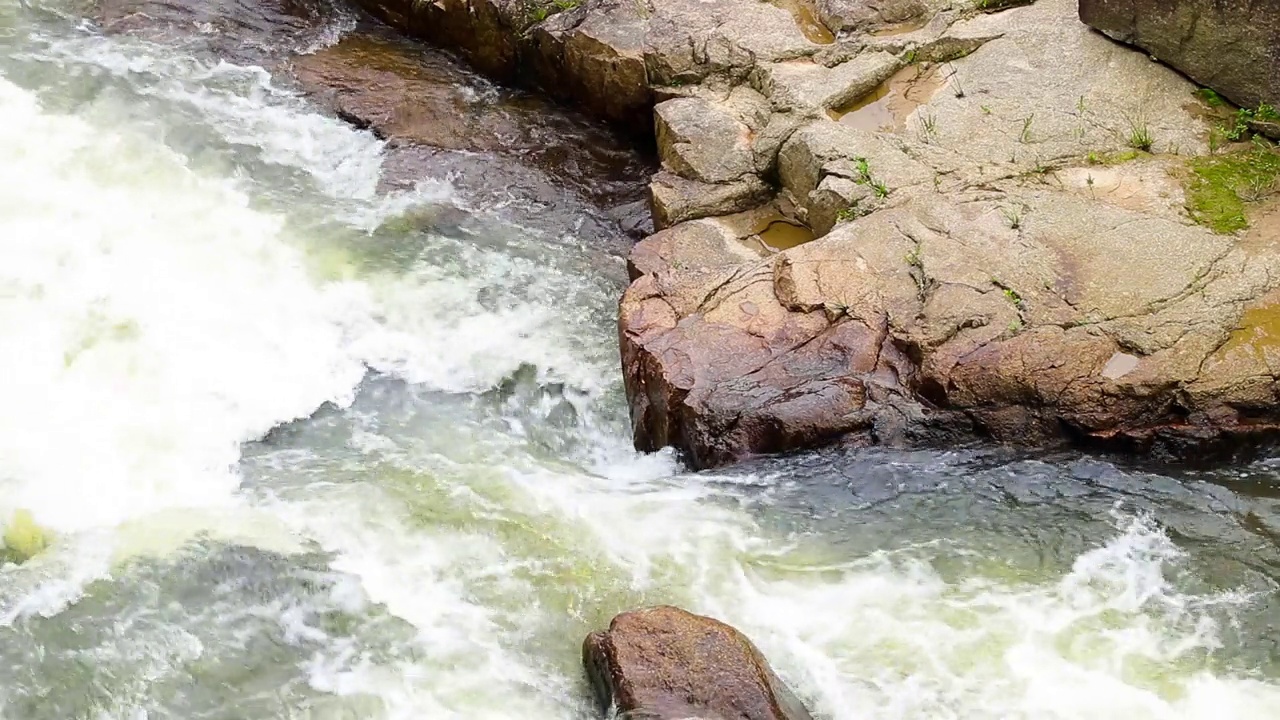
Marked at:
<point>151,320</point>
<point>887,638</point>
<point>242,103</point>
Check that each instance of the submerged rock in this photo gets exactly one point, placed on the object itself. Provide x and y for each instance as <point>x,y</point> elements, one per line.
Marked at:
<point>663,663</point>
<point>1233,47</point>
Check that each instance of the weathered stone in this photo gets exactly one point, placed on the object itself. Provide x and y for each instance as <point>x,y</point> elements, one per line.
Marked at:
<point>663,663</point>
<point>826,149</point>
<point>594,58</point>
<point>1009,256</point>
<point>702,141</point>
<point>691,40</point>
<point>725,358</point>
<point>805,86</point>
<point>1232,47</point>
<point>834,199</point>
<point>387,84</point>
<point>676,199</point>
<point>887,16</point>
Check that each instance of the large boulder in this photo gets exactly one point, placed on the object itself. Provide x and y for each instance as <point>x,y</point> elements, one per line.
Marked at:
<point>1231,46</point>
<point>663,663</point>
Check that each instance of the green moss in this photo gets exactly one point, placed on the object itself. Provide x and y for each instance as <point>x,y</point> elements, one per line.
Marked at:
<point>23,538</point>
<point>1210,98</point>
<point>539,10</point>
<point>1221,186</point>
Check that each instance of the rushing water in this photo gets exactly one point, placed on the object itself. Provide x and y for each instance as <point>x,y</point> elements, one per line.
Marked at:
<point>308,441</point>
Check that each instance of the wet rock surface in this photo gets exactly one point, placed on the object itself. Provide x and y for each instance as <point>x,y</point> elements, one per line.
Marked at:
<point>1232,47</point>
<point>423,99</point>
<point>1004,246</point>
<point>241,31</point>
<point>664,663</point>
<point>441,120</point>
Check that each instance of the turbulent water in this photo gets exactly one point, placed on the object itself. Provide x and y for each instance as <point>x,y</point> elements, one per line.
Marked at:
<point>305,440</point>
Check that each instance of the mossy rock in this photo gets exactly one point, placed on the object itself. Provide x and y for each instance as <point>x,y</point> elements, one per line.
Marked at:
<point>23,538</point>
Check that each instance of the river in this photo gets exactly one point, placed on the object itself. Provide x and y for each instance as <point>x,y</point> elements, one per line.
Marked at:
<point>301,423</point>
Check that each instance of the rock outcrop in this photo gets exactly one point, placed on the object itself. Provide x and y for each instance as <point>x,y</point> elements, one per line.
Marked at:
<point>1007,245</point>
<point>1232,47</point>
<point>595,59</point>
<point>663,663</point>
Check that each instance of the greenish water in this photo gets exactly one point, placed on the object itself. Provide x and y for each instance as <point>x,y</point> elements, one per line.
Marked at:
<point>309,438</point>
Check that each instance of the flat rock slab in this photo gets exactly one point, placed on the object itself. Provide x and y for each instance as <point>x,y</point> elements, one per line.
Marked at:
<point>664,663</point>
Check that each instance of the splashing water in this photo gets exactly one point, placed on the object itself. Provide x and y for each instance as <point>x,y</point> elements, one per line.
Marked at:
<point>281,445</point>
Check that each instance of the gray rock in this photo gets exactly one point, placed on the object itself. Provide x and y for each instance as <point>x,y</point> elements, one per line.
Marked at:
<point>1232,47</point>
<point>677,199</point>
<point>702,141</point>
<point>806,86</point>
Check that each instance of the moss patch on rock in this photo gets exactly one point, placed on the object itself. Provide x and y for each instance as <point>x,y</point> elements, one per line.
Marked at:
<point>540,10</point>
<point>23,538</point>
<point>1221,187</point>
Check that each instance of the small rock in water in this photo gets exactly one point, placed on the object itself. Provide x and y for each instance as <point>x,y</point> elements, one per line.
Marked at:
<point>664,663</point>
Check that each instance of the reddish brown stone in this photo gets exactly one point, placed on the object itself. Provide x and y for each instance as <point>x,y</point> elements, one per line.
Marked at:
<point>663,663</point>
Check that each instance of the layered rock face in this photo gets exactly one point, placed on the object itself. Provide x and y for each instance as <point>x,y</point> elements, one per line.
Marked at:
<point>1004,247</point>
<point>663,663</point>
<point>594,58</point>
<point>1232,46</point>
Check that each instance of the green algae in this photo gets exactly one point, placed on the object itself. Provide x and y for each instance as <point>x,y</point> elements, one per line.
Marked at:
<point>23,538</point>
<point>1220,187</point>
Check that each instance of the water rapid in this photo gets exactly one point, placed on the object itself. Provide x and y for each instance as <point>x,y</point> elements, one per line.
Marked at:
<point>291,432</point>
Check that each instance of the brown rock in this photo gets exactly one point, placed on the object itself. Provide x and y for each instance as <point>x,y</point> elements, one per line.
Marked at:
<point>1010,256</point>
<point>727,354</point>
<point>593,59</point>
<point>663,663</point>
<point>1232,47</point>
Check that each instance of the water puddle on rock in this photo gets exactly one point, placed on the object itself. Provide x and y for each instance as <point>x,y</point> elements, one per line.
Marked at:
<point>806,18</point>
<point>1258,332</point>
<point>888,106</point>
<point>782,234</point>
<point>766,230</point>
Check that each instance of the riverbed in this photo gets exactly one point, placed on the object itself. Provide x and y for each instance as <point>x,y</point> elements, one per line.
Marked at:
<point>308,421</point>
